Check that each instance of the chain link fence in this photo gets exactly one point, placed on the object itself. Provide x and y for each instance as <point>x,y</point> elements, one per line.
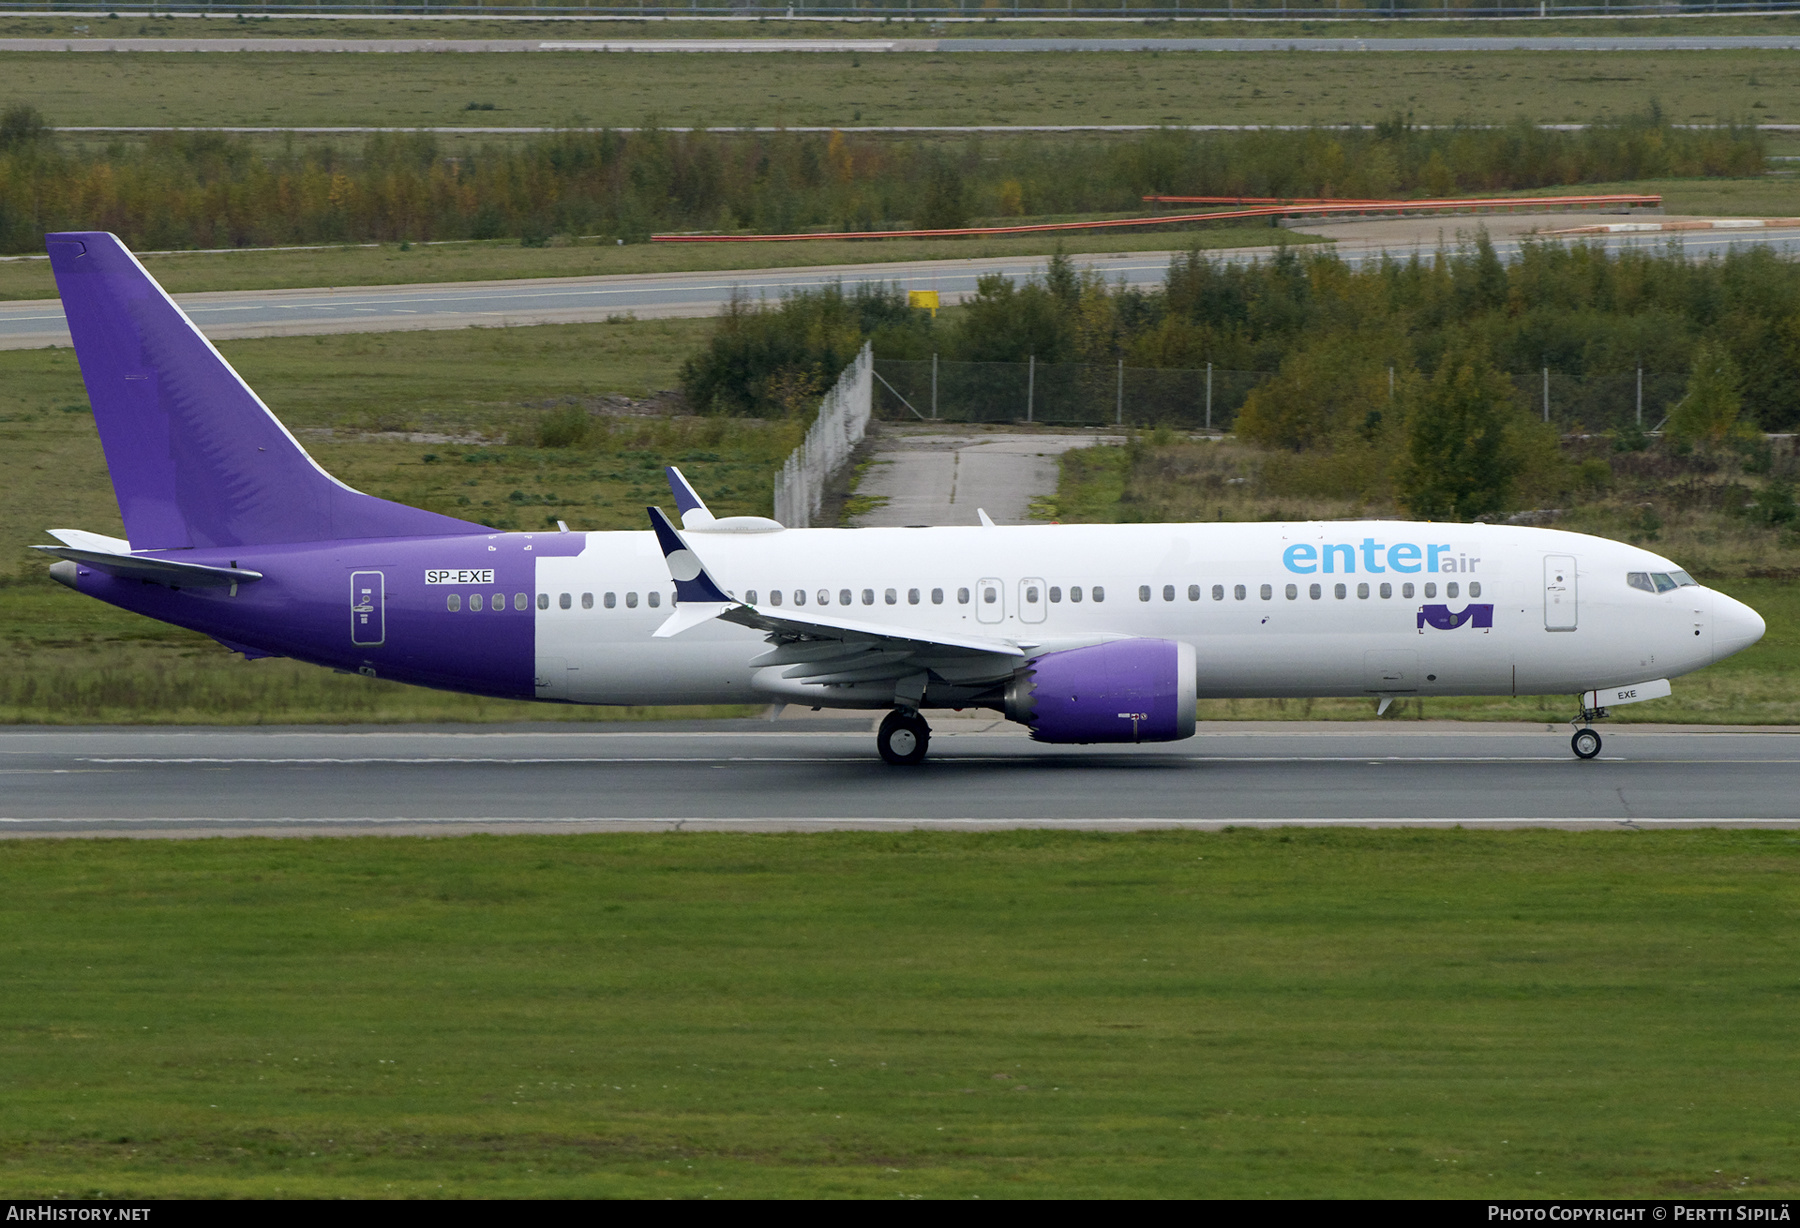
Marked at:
<point>1209,398</point>
<point>843,420</point>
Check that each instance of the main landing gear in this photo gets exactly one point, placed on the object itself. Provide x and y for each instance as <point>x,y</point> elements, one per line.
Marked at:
<point>903,737</point>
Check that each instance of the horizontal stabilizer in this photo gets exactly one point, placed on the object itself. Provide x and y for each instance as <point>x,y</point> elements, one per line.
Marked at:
<point>157,571</point>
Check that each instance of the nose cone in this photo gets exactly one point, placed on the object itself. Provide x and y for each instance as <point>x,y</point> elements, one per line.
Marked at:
<point>1735,626</point>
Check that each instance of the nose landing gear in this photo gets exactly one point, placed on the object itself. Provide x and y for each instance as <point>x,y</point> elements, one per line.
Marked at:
<point>1586,742</point>
<point>903,737</point>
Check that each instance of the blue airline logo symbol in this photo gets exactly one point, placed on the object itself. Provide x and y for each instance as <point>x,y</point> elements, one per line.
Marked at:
<point>1377,559</point>
<point>1481,617</point>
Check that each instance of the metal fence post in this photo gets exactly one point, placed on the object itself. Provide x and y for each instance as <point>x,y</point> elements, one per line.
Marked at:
<point>934,385</point>
<point>1546,394</point>
<point>1640,399</point>
<point>1121,415</point>
<point>1030,384</point>
<point>1209,396</point>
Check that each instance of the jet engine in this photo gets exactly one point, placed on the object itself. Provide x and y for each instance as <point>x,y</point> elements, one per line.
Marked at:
<point>1124,691</point>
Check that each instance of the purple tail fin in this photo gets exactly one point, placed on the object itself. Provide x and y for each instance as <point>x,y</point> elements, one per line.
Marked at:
<point>196,458</point>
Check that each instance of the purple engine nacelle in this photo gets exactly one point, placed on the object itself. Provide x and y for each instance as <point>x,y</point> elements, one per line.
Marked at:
<point>1123,691</point>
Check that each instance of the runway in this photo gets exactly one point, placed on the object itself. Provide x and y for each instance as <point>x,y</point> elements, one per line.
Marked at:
<point>932,46</point>
<point>816,774</point>
<point>33,324</point>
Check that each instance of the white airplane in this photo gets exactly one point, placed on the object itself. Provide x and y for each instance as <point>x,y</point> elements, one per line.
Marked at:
<point>1081,633</point>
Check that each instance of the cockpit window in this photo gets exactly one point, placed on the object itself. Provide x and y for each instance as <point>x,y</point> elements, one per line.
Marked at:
<point>1640,579</point>
<point>1663,583</point>
<point>1682,578</point>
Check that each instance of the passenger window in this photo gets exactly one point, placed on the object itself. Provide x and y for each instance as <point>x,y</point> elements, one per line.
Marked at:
<point>453,602</point>
<point>869,596</point>
<point>1474,588</point>
<point>566,602</point>
<point>891,597</point>
<point>1075,593</point>
<point>912,596</point>
<point>1450,589</point>
<point>1099,593</point>
<point>655,599</point>
<point>1293,592</point>
<point>475,601</point>
<point>1314,591</point>
<point>498,604</point>
<point>1663,583</point>
<point>587,601</point>
<point>1055,594</point>
<point>1193,592</point>
<point>937,596</point>
<point>1387,590</point>
<point>799,596</point>
<point>1267,592</point>
<point>774,596</point>
<point>544,601</point>
<point>521,601</point>
<point>1031,594</point>
<point>844,597</point>
<point>962,596</point>
<point>825,596</point>
<point>1218,592</point>
<point>1339,591</point>
<point>990,595</point>
<point>750,597</point>
<point>1430,590</point>
<point>1362,592</point>
<point>611,600</point>
<point>1143,592</point>
<point>1238,592</point>
<point>1168,592</point>
<point>1406,590</point>
<point>631,601</point>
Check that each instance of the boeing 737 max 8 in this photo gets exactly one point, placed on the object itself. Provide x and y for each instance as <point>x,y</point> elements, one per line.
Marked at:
<point>1083,633</point>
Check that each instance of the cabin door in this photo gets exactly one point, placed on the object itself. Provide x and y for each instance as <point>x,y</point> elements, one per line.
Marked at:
<point>368,608</point>
<point>1559,592</point>
<point>1031,601</point>
<point>990,601</point>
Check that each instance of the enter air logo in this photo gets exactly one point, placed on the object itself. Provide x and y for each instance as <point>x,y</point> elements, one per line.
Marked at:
<point>1443,618</point>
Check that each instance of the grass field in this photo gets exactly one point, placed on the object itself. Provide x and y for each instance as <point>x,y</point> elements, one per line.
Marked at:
<point>726,90</point>
<point>1348,25</point>
<point>387,264</point>
<point>1240,1014</point>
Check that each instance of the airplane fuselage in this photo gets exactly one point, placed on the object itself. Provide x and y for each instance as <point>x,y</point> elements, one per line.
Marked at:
<point>1376,608</point>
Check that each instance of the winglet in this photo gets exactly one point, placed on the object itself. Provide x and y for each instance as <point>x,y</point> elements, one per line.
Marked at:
<point>688,504</point>
<point>692,583</point>
<point>987,521</point>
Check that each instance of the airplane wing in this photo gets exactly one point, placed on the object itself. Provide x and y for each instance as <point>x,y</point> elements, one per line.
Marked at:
<point>820,648</point>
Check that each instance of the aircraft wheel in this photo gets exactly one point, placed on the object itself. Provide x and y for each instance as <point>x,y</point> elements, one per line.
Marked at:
<point>903,738</point>
<point>1586,743</point>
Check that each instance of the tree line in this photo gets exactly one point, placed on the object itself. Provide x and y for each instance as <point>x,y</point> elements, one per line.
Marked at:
<point>214,190</point>
<point>1391,381</point>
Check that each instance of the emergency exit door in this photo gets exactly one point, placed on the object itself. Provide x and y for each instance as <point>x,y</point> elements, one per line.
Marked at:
<point>1559,592</point>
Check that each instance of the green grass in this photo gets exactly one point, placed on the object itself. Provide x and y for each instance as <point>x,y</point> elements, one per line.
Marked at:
<point>731,90</point>
<point>353,400</point>
<point>1032,1014</point>
<point>253,269</point>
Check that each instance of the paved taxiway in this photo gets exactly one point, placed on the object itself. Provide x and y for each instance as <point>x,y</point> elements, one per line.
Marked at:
<point>1442,44</point>
<point>32,324</point>
<point>823,773</point>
